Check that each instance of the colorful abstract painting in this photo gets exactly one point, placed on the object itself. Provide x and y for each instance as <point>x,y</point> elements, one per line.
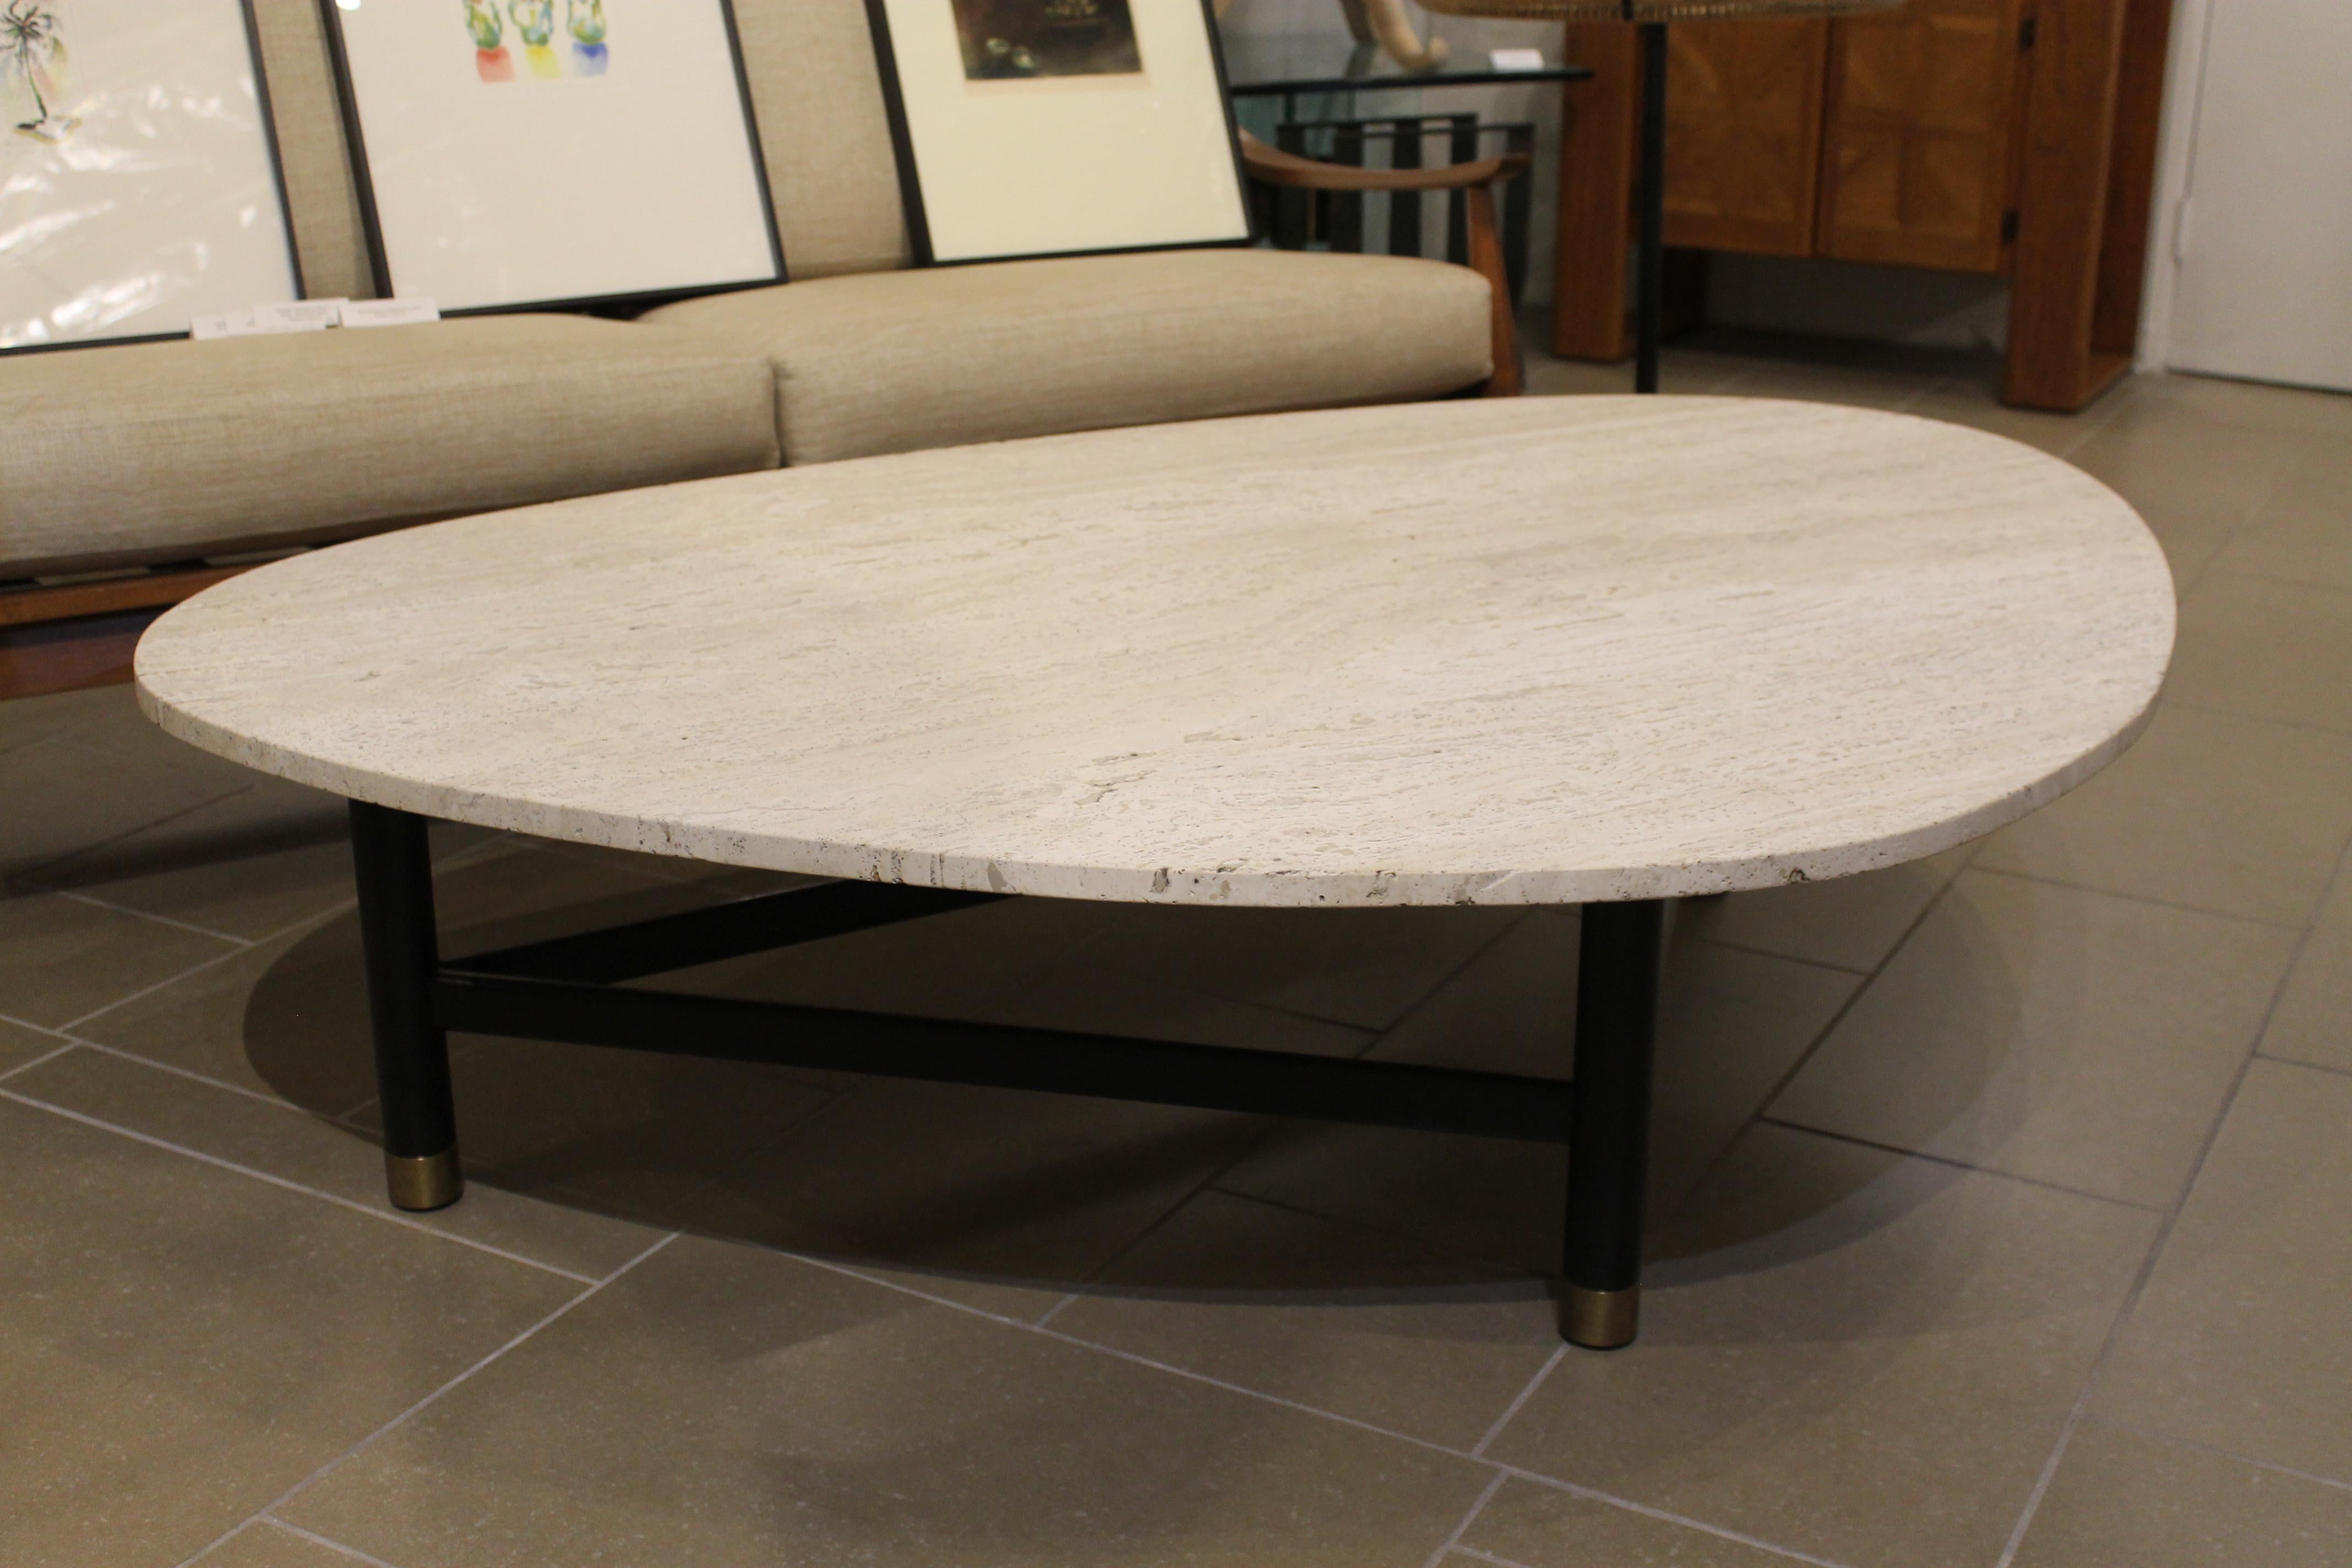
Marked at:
<point>33,71</point>
<point>532,24</point>
<point>1013,39</point>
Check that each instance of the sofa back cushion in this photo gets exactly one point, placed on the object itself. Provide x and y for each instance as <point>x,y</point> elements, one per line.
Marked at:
<point>814,87</point>
<point>817,90</point>
<point>318,187</point>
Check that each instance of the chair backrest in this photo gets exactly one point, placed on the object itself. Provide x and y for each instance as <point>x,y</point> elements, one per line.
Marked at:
<point>814,89</point>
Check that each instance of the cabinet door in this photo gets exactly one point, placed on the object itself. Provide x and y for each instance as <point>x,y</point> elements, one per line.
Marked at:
<point>1919,161</point>
<point>1744,133</point>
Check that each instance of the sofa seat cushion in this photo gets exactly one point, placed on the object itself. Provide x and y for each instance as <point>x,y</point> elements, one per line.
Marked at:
<point>151,452</point>
<point>893,362</point>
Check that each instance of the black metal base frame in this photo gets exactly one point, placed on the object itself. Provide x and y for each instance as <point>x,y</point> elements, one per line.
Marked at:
<point>568,990</point>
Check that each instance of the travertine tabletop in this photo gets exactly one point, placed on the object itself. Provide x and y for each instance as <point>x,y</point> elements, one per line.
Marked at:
<point>1534,651</point>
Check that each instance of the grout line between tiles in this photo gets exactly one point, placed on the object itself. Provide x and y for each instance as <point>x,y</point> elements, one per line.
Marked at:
<point>2275,483</point>
<point>1558,1354</point>
<point>1662,1516</point>
<point>2154,1435</point>
<point>1472,1551</point>
<point>1780,1086</point>
<point>2111,409</point>
<point>269,1511</point>
<point>1783,957</point>
<point>312,1536</point>
<point>1414,1009</point>
<point>2305,725</point>
<point>195,1077</point>
<point>1956,1164</point>
<point>1055,1310</point>
<point>95,902</point>
<point>292,1186</point>
<point>2284,579</point>
<point>144,991</point>
<point>2259,1055</point>
<point>2163,1238</point>
<point>1332,1415</point>
<point>317,917</point>
<point>1372,1039</point>
<point>107,843</point>
<point>2050,881</point>
<point>1462,1526</point>
<point>2220,571</point>
<point>36,1061</point>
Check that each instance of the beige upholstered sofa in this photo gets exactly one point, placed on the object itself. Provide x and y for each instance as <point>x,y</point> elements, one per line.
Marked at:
<point>147,454</point>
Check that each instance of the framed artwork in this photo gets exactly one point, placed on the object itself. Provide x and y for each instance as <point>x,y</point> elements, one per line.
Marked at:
<point>1058,127</point>
<point>139,178</point>
<point>517,153</point>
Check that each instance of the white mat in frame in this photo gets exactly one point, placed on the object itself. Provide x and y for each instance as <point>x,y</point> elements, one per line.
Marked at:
<point>1048,127</point>
<point>549,152</point>
<point>138,180</point>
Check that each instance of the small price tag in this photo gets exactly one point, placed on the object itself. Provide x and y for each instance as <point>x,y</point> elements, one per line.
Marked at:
<point>389,312</point>
<point>1517,59</point>
<point>236,324</point>
<point>298,316</point>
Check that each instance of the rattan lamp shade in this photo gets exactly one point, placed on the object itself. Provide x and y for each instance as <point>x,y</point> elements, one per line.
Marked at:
<point>1651,10</point>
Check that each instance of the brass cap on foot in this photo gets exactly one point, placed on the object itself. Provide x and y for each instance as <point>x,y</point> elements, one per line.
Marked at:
<point>424,1183</point>
<point>1600,1319</point>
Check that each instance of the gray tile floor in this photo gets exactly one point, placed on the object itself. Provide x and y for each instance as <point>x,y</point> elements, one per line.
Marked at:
<point>2003,1214</point>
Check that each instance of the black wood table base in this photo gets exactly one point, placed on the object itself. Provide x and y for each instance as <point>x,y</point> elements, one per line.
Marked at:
<point>568,990</point>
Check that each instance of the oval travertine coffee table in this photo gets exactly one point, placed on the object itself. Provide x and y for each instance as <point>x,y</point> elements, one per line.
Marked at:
<point>1577,650</point>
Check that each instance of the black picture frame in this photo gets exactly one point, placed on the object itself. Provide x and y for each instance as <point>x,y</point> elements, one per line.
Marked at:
<point>278,180</point>
<point>910,184</point>
<point>371,223</point>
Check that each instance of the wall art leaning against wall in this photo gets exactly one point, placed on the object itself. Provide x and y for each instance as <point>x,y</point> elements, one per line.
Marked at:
<point>517,152</point>
<point>139,178</point>
<point>1054,127</point>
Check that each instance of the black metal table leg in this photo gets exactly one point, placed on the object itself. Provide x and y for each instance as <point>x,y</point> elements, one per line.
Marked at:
<point>394,866</point>
<point>1609,1122</point>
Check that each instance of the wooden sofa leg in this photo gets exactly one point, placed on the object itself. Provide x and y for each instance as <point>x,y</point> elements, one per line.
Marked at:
<point>1487,258</point>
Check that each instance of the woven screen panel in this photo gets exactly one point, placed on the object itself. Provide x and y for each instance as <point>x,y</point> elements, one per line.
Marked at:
<point>1651,10</point>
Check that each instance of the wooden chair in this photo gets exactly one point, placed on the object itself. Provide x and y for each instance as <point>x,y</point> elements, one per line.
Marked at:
<point>1476,180</point>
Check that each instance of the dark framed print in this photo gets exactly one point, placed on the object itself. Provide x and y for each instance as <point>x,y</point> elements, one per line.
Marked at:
<point>515,154</point>
<point>139,186</point>
<point>1059,127</point>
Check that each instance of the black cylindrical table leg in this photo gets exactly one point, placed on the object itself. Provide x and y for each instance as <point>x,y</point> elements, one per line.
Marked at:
<point>394,866</point>
<point>1650,300</point>
<point>1609,1125</point>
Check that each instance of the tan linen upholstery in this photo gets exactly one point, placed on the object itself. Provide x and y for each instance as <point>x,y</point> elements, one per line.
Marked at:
<point>817,92</point>
<point>319,190</point>
<point>154,452</point>
<point>894,361</point>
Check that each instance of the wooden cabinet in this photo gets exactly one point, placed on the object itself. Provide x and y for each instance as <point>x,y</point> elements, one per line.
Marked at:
<point>2006,137</point>
<point>1744,133</point>
<point>1920,152</point>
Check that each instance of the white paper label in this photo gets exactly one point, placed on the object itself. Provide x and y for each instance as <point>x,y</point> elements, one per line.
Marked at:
<point>236,324</point>
<point>1517,59</point>
<point>389,312</point>
<point>298,316</point>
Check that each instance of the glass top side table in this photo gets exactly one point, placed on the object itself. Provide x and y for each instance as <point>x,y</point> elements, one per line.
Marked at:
<point>1279,64</point>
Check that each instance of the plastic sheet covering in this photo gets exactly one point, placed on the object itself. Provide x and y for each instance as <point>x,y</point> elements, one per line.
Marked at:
<point>138,186</point>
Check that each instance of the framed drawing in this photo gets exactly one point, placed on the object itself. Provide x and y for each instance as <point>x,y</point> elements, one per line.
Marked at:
<point>139,178</point>
<point>517,153</point>
<point>1055,127</point>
